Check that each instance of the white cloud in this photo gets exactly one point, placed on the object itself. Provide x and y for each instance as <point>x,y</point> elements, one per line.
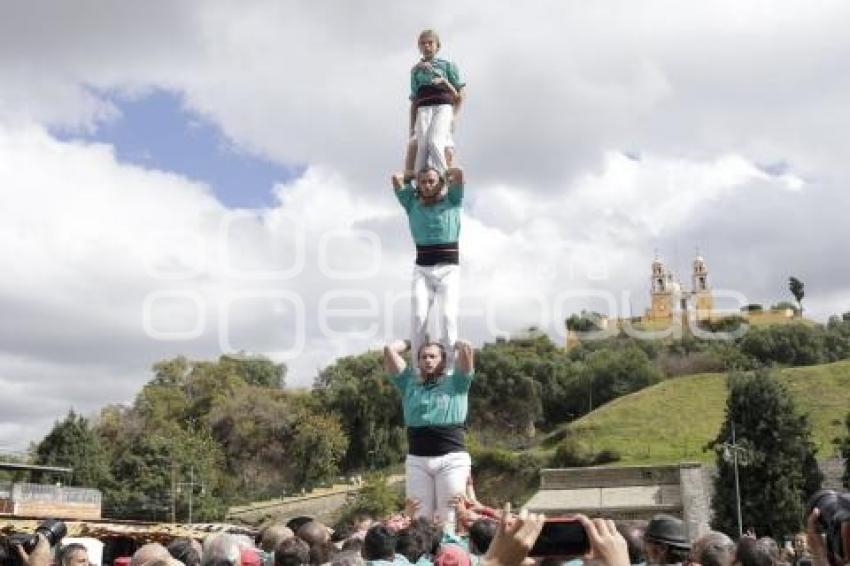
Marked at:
<point>698,94</point>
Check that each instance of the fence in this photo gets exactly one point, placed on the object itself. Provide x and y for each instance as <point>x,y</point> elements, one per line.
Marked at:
<point>39,500</point>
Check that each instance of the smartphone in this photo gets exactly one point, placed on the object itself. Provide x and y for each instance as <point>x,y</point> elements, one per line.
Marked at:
<point>561,537</point>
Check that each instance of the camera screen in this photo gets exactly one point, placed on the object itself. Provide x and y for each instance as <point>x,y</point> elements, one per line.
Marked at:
<point>560,537</point>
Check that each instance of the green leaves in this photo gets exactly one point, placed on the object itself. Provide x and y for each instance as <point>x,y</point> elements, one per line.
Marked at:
<point>776,465</point>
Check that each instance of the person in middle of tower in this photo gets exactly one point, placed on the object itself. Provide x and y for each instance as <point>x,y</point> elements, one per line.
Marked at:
<point>433,210</point>
<point>436,95</point>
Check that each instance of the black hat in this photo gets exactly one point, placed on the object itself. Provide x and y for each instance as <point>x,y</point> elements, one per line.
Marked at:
<point>668,530</point>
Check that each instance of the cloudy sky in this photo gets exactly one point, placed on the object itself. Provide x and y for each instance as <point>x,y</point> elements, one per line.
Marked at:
<point>202,178</point>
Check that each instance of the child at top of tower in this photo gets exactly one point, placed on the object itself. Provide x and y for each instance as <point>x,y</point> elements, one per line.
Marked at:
<point>436,95</point>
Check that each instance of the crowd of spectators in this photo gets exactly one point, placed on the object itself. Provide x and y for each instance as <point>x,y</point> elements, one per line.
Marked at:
<point>478,536</point>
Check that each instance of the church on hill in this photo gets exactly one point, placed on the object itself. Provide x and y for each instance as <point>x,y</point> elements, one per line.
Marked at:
<point>672,305</point>
<point>667,294</point>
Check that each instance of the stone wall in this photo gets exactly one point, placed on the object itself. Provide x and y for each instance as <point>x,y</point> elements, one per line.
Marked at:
<point>627,492</point>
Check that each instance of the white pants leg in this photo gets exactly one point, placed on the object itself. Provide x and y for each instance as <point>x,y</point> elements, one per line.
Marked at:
<point>421,298</point>
<point>448,295</point>
<point>435,480</point>
<point>433,130</point>
<point>431,282</point>
<point>450,480</point>
<point>419,484</point>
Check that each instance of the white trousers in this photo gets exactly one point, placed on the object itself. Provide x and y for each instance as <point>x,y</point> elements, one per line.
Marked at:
<point>433,130</point>
<point>434,282</point>
<point>435,480</point>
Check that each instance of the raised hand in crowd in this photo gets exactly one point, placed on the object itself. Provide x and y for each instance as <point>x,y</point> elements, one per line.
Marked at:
<point>514,538</point>
<point>39,556</point>
<point>814,540</point>
<point>411,507</point>
<point>606,542</point>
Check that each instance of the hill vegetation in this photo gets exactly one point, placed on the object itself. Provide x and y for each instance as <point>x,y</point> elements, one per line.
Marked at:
<point>676,419</point>
<point>230,429</point>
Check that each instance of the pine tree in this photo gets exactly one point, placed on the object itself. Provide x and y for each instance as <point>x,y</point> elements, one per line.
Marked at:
<point>73,443</point>
<point>777,467</point>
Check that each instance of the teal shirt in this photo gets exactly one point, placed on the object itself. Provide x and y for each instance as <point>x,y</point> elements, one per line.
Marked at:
<point>420,77</point>
<point>442,403</point>
<point>398,560</point>
<point>437,223</point>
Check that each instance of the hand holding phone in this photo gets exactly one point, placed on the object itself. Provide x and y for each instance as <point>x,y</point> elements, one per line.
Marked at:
<point>561,536</point>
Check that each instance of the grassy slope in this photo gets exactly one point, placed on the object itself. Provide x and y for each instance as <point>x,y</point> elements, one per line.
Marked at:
<point>672,421</point>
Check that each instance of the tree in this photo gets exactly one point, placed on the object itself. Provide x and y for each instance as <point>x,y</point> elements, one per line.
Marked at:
<point>789,344</point>
<point>357,390</point>
<point>72,443</point>
<point>796,288</point>
<point>778,469</point>
<point>584,322</point>
<point>317,449</point>
<point>611,373</point>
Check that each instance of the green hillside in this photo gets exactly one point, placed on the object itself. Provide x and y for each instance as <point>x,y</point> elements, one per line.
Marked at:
<point>673,420</point>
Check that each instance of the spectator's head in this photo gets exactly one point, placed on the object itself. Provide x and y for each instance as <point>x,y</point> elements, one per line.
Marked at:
<point>665,541</point>
<point>273,535</point>
<point>74,554</point>
<point>313,533</point>
<point>417,539</point>
<point>151,554</point>
<point>379,543</point>
<point>748,553</point>
<point>296,522</point>
<point>432,359</point>
<point>713,549</point>
<point>221,549</point>
<point>186,550</point>
<point>633,532</point>
<point>481,533</point>
<point>452,555</point>
<point>322,553</point>
<point>292,552</point>
<point>769,546</point>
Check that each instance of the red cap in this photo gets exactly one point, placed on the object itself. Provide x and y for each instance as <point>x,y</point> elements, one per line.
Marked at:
<point>250,557</point>
<point>452,555</point>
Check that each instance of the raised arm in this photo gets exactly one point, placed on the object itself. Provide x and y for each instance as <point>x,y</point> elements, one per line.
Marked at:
<point>465,357</point>
<point>398,181</point>
<point>393,362</point>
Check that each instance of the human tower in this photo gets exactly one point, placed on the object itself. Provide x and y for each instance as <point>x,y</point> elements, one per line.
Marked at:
<point>435,386</point>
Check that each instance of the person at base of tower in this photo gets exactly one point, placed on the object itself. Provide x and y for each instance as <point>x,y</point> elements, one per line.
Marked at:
<point>436,95</point>
<point>435,406</point>
<point>434,217</point>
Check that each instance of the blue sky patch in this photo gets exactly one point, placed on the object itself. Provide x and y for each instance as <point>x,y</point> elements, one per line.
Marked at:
<point>156,131</point>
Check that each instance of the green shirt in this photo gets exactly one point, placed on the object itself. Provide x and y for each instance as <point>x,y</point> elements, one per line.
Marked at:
<point>420,77</point>
<point>437,223</point>
<point>442,403</point>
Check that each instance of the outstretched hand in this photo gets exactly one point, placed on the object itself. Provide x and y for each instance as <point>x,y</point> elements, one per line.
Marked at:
<point>398,181</point>
<point>814,540</point>
<point>514,538</point>
<point>454,176</point>
<point>412,506</point>
<point>606,542</point>
<point>40,555</point>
